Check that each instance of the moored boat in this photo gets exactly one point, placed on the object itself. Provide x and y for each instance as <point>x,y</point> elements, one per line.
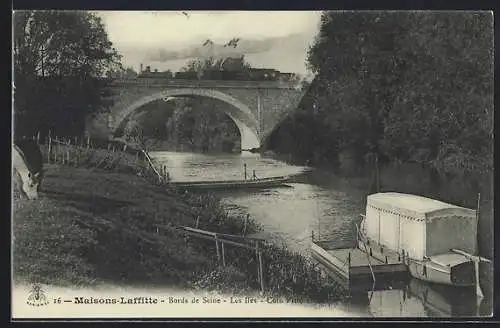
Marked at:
<point>233,184</point>
<point>436,240</point>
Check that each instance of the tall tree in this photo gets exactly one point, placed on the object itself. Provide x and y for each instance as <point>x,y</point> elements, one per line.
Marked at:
<point>60,58</point>
<point>412,86</point>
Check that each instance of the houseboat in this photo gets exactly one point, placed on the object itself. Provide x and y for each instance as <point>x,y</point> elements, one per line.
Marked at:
<point>402,233</point>
<point>437,241</point>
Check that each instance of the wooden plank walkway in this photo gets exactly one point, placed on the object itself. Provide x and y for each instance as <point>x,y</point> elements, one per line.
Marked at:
<point>354,264</point>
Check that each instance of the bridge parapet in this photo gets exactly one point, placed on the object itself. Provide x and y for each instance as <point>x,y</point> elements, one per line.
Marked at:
<point>206,84</point>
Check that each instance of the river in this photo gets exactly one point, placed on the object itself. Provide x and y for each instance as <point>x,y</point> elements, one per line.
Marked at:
<point>328,206</point>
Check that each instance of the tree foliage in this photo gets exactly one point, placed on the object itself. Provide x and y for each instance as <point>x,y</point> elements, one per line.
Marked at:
<point>409,86</point>
<point>184,124</point>
<point>60,59</point>
<point>202,126</point>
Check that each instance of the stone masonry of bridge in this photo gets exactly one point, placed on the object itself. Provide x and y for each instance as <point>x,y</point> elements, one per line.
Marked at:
<point>258,105</point>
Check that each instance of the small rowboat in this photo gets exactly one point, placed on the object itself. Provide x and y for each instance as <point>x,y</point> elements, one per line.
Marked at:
<point>234,184</point>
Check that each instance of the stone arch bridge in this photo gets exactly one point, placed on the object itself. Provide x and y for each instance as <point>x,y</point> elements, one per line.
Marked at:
<point>256,106</point>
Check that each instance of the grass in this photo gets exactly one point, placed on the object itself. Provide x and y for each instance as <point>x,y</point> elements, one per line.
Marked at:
<point>100,219</point>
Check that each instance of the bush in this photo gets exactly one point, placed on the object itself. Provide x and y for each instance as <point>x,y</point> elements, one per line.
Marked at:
<point>223,279</point>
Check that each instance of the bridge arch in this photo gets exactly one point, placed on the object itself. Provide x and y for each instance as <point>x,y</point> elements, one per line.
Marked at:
<point>242,116</point>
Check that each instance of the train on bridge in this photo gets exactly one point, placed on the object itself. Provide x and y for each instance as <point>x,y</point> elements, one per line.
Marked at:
<point>248,74</point>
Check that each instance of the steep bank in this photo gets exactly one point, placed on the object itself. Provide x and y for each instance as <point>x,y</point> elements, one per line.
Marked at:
<point>92,225</point>
<point>103,225</point>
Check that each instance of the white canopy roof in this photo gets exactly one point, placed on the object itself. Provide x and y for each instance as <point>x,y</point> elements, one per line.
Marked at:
<point>415,206</point>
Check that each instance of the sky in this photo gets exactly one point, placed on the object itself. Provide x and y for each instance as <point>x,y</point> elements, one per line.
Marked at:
<point>167,39</point>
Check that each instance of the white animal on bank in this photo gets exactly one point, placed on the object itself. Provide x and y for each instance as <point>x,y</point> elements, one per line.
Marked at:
<point>27,166</point>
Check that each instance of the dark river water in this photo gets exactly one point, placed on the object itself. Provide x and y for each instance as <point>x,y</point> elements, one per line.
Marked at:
<point>330,207</point>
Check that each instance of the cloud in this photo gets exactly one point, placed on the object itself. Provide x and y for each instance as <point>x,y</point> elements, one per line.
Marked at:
<point>277,39</point>
<point>175,30</point>
<point>244,46</point>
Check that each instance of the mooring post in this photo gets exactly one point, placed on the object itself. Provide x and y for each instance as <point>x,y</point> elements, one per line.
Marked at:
<point>245,169</point>
<point>386,260</point>
<point>349,260</point>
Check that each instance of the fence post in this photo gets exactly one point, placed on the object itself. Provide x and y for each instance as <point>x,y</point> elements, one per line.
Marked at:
<point>223,254</point>
<point>197,221</point>
<point>38,138</point>
<point>217,248</point>
<point>49,146</point>
<point>88,142</point>
<point>261,272</point>
<point>258,262</point>
<point>245,224</point>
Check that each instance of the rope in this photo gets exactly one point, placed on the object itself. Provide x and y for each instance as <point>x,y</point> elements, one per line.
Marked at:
<point>360,236</point>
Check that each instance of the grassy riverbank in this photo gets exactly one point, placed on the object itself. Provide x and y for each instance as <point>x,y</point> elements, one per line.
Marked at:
<point>98,221</point>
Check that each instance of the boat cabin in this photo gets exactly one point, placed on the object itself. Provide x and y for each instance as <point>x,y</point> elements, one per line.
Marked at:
<point>419,226</point>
